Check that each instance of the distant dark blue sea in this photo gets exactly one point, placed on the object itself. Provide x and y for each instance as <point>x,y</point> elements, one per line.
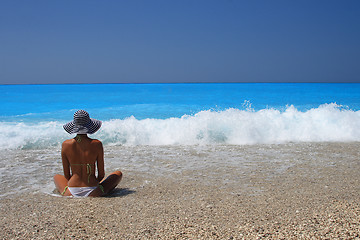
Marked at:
<point>31,116</point>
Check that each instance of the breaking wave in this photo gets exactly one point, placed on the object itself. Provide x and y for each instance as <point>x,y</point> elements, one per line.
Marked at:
<point>326,123</point>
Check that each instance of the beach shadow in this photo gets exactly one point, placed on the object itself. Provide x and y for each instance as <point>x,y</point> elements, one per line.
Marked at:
<point>120,192</point>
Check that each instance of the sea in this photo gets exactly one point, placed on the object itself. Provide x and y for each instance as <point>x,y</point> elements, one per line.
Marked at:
<point>182,128</point>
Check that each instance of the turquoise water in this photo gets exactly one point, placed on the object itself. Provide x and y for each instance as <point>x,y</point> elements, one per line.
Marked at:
<point>167,114</point>
<point>162,101</point>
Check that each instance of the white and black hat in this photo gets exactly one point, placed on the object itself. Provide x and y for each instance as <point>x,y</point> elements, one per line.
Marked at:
<point>82,124</point>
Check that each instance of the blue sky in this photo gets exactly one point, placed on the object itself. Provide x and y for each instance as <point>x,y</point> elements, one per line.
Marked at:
<point>179,41</point>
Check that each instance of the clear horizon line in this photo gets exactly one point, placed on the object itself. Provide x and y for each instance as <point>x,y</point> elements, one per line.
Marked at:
<point>272,82</point>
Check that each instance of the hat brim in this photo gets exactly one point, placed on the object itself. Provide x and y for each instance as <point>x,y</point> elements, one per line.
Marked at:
<point>89,128</point>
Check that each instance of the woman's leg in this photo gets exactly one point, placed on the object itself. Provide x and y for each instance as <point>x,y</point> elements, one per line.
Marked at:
<point>108,184</point>
<point>60,183</point>
<point>111,181</point>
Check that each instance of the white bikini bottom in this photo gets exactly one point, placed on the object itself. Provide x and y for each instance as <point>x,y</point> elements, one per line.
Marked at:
<point>81,191</point>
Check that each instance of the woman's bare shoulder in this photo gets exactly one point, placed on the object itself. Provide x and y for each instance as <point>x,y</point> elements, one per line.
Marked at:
<point>68,142</point>
<point>96,142</point>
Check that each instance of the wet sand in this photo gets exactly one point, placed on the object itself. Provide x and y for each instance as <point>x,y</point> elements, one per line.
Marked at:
<point>304,201</point>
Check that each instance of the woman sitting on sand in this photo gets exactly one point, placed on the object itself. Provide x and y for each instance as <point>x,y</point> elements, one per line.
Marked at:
<point>81,154</point>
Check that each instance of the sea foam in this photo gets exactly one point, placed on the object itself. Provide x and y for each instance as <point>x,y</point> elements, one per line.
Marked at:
<point>326,123</point>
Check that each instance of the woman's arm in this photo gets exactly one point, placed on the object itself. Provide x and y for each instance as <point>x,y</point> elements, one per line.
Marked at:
<point>65,162</point>
<point>100,161</point>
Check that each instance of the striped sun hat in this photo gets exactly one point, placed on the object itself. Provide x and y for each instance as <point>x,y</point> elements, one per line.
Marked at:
<point>82,124</point>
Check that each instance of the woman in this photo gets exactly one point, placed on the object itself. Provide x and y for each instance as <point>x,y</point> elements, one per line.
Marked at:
<point>80,155</point>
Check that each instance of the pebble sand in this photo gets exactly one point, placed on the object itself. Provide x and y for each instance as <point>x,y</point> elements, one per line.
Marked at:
<point>305,201</point>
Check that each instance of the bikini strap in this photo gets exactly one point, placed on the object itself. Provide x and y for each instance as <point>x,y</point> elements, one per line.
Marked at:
<point>88,170</point>
<point>64,190</point>
<point>102,188</point>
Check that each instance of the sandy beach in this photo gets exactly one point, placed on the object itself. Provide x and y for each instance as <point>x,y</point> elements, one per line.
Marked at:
<point>305,201</point>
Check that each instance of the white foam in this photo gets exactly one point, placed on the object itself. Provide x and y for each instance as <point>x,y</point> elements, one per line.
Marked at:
<point>30,135</point>
<point>327,123</point>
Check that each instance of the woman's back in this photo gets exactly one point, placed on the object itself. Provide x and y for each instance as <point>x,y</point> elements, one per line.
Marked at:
<point>81,156</point>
